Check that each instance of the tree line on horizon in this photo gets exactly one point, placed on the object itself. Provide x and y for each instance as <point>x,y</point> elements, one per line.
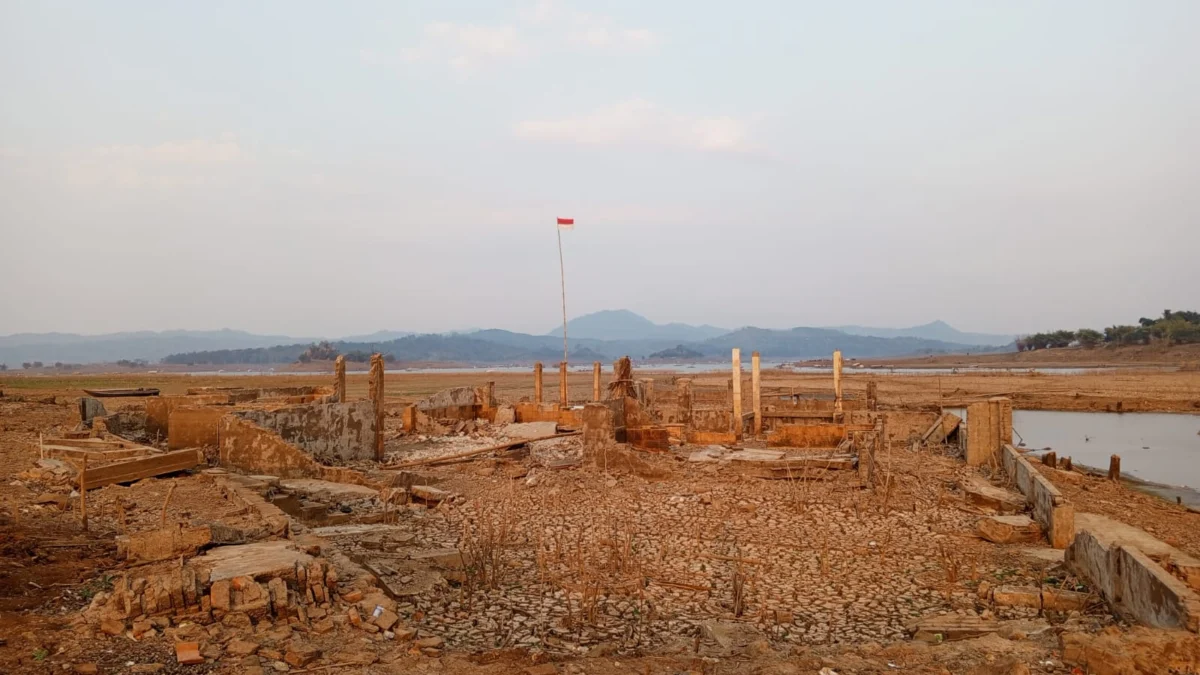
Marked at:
<point>1172,328</point>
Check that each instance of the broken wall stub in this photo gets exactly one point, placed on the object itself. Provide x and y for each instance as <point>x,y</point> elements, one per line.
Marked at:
<point>989,429</point>
<point>194,426</point>
<point>331,432</point>
<point>1050,508</point>
<point>1131,582</point>
<point>89,408</point>
<point>376,384</point>
<point>807,435</point>
<point>458,403</point>
<point>250,448</point>
<point>339,379</point>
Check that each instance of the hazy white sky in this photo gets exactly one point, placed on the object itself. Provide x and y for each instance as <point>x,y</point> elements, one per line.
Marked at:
<point>338,168</point>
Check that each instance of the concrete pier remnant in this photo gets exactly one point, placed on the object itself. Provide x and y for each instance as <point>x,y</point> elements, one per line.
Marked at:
<point>537,382</point>
<point>737,393</point>
<point>837,381</point>
<point>596,381</point>
<point>375,388</point>
<point>339,379</point>
<point>989,428</point>
<point>564,394</point>
<point>756,391</point>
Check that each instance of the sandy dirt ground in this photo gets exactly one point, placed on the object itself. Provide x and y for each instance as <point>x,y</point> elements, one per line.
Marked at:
<point>823,576</point>
<point>1123,390</point>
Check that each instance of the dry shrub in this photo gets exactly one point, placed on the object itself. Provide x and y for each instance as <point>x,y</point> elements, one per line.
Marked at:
<point>482,545</point>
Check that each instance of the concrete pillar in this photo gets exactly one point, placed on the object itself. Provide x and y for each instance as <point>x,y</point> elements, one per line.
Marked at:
<point>375,391</point>
<point>737,393</point>
<point>837,381</point>
<point>872,396</point>
<point>1114,467</point>
<point>989,428</point>
<point>979,433</point>
<point>596,381</point>
<point>489,395</point>
<point>683,389</point>
<point>339,379</point>
<point>756,391</point>
<point>1002,412</point>
<point>537,382</point>
<point>564,395</point>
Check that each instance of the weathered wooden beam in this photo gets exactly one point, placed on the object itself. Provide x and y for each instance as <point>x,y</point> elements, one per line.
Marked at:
<point>145,467</point>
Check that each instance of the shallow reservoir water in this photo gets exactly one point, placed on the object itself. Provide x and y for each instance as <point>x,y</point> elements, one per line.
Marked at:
<point>1157,447</point>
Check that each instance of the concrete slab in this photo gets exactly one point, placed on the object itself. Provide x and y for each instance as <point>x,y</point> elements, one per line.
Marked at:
<point>260,560</point>
<point>530,429</point>
<point>979,492</point>
<point>1108,532</point>
<point>324,490</point>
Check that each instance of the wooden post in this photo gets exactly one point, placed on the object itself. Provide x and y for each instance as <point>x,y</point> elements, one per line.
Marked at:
<point>596,381</point>
<point>537,382</point>
<point>737,393</point>
<point>1114,467</point>
<point>339,378</point>
<point>83,493</point>
<point>756,391</point>
<point>837,381</point>
<point>375,384</point>
<point>564,395</point>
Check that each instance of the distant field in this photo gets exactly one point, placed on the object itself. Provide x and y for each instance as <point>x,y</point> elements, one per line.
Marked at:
<point>1126,389</point>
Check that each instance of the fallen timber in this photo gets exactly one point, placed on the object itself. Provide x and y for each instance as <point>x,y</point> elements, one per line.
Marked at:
<point>115,393</point>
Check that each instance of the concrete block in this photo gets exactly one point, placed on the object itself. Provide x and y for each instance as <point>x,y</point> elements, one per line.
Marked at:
<point>1017,596</point>
<point>1064,601</point>
<point>1009,529</point>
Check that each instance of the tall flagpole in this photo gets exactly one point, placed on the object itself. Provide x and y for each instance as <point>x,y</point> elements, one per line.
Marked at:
<point>562,275</point>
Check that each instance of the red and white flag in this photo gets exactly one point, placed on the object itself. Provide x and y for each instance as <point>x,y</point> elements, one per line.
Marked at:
<point>566,223</point>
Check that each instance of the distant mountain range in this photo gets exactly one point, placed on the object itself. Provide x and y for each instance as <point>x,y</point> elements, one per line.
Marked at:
<point>148,345</point>
<point>622,324</point>
<point>936,330</point>
<point>602,336</point>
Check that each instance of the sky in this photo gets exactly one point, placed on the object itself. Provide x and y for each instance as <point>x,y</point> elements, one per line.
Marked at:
<point>315,168</point>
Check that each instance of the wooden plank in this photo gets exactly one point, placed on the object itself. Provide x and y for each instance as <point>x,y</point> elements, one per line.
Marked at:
<point>89,443</point>
<point>96,456</point>
<point>137,469</point>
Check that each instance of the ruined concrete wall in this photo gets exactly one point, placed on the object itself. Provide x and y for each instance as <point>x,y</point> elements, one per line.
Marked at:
<point>989,429</point>
<point>901,425</point>
<point>250,448</point>
<point>807,435</point>
<point>536,412</point>
<point>159,408</point>
<point>1132,583</point>
<point>1146,591</point>
<point>332,432</point>
<point>459,403</point>
<point>712,420</point>
<point>194,426</point>
<point>1050,508</point>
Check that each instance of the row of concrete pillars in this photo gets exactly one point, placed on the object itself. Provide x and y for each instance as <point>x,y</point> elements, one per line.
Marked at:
<point>374,394</point>
<point>738,419</point>
<point>756,389</point>
<point>564,392</point>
